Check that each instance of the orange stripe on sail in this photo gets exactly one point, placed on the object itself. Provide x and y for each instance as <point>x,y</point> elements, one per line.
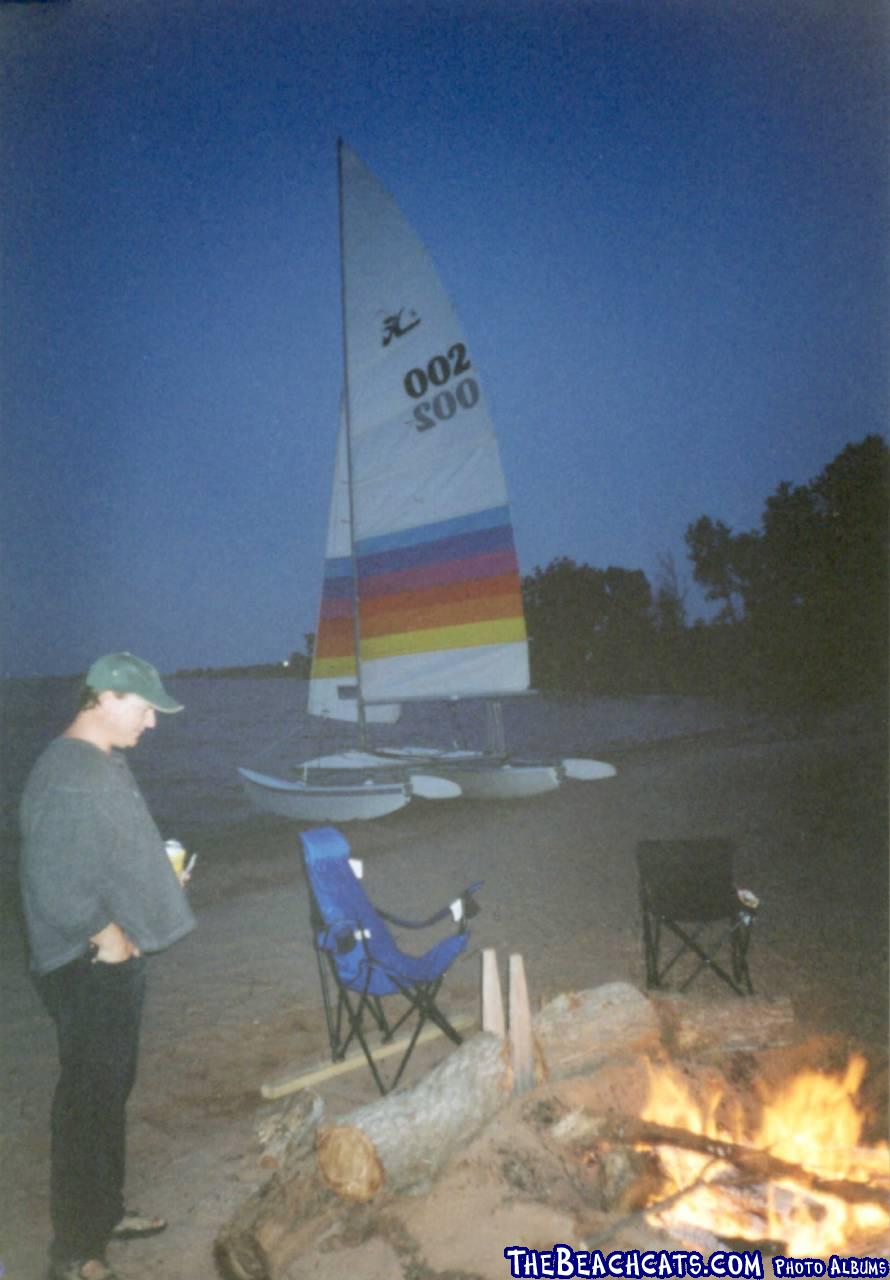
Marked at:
<point>476,588</point>
<point>335,638</point>
<point>425,617</point>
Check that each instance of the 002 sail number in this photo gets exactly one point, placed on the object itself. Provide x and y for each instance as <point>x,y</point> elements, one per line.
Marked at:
<point>445,402</point>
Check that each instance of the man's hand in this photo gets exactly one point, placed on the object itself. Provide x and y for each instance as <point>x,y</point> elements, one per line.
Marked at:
<point>114,947</point>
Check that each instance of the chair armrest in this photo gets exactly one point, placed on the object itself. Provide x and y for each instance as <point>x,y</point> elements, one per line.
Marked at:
<point>465,901</point>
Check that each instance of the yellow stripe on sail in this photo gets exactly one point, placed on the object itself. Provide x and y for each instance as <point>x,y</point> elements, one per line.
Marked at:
<point>332,668</point>
<point>471,635</point>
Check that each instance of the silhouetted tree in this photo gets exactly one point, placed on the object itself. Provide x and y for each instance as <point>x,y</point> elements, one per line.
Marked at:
<point>623,648</point>
<point>564,606</point>
<point>589,629</point>
<point>674,658</point>
<point>809,589</point>
<point>670,598</point>
<point>723,563</point>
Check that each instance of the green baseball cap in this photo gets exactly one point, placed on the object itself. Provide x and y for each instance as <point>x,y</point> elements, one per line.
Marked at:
<point>125,673</point>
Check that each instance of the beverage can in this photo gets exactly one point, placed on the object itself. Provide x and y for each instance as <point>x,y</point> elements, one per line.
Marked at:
<point>176,854</point>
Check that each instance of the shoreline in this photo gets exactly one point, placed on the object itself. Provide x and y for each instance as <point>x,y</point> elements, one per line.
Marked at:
<point>868,722</point>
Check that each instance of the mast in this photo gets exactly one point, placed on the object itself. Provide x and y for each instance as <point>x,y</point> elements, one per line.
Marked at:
<point>356,624</point>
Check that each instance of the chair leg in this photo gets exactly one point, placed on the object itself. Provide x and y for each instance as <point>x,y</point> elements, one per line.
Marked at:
<point>430,1011</point>
<point>366,1049</point>
<point>422,1001</point>
<point>650,949</point>
<point>706,958</point>
<point>418,1027</point>
<point>333,1017</point>
<point>741,940</point>
<point>375,1004</point>
<point>344,1023</point>
<point>352,1015</point>
<point>347,1024</point>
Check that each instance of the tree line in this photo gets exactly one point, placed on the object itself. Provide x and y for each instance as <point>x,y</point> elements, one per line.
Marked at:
<point>801,602</point>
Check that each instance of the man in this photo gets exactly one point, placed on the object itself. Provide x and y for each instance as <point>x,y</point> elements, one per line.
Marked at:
<point>99,893</point>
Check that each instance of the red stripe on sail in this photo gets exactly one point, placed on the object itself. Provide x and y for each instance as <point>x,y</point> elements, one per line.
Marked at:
<point>490,564</point>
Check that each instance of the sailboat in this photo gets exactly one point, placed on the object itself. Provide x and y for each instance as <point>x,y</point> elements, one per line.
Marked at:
<point>421,597</point>
<point>354,783</point>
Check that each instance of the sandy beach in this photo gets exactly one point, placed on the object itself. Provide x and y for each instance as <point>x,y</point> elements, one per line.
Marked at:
<point>237,1003</point>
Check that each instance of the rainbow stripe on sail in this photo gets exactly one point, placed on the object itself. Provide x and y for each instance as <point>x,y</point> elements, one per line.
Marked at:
<point>436,588</point>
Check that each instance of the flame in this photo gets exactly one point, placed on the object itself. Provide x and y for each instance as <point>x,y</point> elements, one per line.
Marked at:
<point>811,1121</point>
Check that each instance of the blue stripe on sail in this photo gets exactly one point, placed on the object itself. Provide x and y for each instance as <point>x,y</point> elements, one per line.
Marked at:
<point>443,549</point>
<point>492,518</point>
<point>336,589</point>
<point>338,567</point>
<point>337,582</point>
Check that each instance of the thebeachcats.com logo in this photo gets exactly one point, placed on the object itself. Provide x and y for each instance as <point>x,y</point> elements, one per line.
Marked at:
<point>636,1264</point>
<point>836,1265</point>
<point>659,1264</point>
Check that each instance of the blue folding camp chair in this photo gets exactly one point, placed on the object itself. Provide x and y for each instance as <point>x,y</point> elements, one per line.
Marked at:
<point>359,959</point>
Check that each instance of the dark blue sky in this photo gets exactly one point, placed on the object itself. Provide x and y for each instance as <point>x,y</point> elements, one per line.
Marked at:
<point>663,224</point>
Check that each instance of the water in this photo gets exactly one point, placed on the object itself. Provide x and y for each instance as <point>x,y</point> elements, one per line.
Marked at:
<point>187,766</point>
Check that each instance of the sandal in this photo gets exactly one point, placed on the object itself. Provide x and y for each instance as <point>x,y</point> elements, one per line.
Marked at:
<point>136,1226</point>
<point>98,1269</point>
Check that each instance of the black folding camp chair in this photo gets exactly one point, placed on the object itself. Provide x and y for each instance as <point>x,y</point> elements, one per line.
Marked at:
<point>687,889</point>
<point>359,963</point>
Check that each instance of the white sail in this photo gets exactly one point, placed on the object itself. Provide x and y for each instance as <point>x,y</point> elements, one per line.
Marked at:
<point>333,689</point>
<point>437,578</point>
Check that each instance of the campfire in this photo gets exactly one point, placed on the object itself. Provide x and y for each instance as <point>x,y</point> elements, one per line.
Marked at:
<point>794,1178</point>
<point>700,1122</point>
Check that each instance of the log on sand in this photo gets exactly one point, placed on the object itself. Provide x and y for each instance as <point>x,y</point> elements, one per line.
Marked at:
<point>403,1140</point>
<point>577,1033</point>
<point>405,1137</point>
<point>397,1141</point>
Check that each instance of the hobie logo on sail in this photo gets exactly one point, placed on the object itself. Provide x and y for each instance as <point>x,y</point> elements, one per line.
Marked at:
<point>445,403</point>
<point>397,326</point>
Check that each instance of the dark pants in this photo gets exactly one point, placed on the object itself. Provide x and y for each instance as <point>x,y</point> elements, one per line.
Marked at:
<point>97,1009</point>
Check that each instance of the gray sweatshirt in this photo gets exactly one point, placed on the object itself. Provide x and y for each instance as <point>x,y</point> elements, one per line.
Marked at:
<point>91,854</point>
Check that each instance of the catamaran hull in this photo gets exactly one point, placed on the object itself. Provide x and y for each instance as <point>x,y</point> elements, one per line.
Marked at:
<point>309,802</point>
<point>482,778</point>
<point>504,782</point>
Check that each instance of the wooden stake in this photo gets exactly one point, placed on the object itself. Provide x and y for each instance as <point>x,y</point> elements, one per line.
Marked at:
<point>492,1000</point>
<point>290,1084</point>
<point>521,1045</point>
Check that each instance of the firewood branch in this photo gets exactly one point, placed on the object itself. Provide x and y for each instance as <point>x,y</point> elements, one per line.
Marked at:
<point>753,1164</point>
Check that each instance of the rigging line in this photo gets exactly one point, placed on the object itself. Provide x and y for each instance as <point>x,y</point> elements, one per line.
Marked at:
<point>347,408</point>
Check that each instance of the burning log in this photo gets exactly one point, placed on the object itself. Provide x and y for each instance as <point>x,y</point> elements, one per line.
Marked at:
<point>754,1164</point>
<point>696,1026</point>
